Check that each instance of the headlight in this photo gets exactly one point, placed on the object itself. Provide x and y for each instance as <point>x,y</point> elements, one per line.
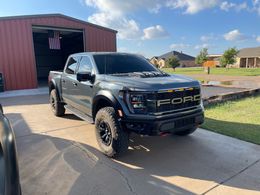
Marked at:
<point>137,103</point>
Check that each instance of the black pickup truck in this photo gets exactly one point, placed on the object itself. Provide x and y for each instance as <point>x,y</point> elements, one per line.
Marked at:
<point>123,93</point>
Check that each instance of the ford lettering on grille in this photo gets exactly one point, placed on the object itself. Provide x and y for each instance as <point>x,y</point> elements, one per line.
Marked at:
<point>178,99</point>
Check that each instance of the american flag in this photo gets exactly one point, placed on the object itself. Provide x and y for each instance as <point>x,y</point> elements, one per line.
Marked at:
<point>54,39</point>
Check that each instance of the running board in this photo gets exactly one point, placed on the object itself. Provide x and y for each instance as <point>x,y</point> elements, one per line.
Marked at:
<point>79,114</point>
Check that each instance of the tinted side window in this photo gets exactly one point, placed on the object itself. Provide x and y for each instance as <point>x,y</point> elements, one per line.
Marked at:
<point>85,65</point>
<point>72,65</point>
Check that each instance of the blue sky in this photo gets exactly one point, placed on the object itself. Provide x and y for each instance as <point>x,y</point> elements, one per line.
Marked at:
<point>153,27</point>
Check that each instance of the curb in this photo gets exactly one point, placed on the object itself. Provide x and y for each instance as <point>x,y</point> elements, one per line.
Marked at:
<point>230,96</point>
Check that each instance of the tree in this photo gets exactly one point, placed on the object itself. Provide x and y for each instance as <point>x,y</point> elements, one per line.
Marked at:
<point>173,62</point>
<point>202,57</point>
<point>229,57</point>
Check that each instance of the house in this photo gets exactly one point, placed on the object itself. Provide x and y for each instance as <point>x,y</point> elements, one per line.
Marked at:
<point>162,62</point>
<point>248,58</point>
<point>185,60</point>
<point>154,61</point>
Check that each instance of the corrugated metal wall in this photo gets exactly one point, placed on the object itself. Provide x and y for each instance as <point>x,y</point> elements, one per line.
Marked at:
<point>17,60</point>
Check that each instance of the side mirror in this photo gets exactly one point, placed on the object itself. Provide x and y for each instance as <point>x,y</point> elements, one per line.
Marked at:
<point>85,76</point>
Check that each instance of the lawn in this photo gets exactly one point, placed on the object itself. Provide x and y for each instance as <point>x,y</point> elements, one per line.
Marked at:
<point>216,71</point>
<point>239,119</point>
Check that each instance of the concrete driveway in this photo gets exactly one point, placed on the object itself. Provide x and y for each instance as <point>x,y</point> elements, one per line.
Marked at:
<point>60,156</point>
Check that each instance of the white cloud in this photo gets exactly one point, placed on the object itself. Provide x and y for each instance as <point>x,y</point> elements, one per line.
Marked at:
<point>154,32</point>
<point>204,45</point>
<point>258,39</point>
<point>192,6</point>
<point>117,14</point>
<point>234,35</point>
<point>155,9</point>
<point>226,6</point>
<point>256,6</point>
<point>114,14</point>
<point>179,46</point>
<point>206,38</point>
<point>241,6</point>
<point>127,28</point>
<point>127,6</point>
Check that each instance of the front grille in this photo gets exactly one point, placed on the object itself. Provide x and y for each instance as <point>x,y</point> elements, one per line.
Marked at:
<point>177,94</point>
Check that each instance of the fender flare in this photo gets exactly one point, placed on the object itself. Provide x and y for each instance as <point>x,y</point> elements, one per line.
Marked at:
<point>107,96</point>
<point>53,85</point>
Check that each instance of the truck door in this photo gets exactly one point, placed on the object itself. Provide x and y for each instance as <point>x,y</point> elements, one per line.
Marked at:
<point>69,81</point>
<point>84,91</point>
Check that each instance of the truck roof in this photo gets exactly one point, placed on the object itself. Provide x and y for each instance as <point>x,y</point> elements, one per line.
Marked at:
<point>100,53</point>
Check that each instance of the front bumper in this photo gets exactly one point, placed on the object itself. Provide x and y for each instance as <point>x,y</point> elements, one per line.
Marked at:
<point>169,123</point>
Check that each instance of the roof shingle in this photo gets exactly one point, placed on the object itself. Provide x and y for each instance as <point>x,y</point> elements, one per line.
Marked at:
<point>179,55</point>
<point>249,52</point>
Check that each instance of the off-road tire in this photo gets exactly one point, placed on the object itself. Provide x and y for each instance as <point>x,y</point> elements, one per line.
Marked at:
<point>119,138</point>
<point>56,106</point>
<point>186,132</point>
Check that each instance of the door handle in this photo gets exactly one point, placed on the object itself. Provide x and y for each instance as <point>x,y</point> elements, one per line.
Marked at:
<point>75,84</point>
<point>63,80</point>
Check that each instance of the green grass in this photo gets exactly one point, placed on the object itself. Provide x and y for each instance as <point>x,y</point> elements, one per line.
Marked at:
<point>216,71</point>
<point>239,119</point>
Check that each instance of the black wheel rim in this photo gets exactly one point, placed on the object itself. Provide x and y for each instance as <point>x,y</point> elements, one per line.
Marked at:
<point>53,103</point>
<point>105,133</point>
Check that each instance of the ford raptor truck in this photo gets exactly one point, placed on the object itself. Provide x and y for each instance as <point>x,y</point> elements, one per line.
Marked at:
<point>122,93</point>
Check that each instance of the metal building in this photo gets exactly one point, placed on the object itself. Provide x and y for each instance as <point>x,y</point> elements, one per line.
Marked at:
<point>27,53</point>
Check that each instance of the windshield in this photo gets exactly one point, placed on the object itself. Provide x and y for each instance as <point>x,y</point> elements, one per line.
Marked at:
<point>122,63</point>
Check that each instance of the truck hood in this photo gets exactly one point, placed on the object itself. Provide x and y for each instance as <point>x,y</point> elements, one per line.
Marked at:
<point>153,83</point>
